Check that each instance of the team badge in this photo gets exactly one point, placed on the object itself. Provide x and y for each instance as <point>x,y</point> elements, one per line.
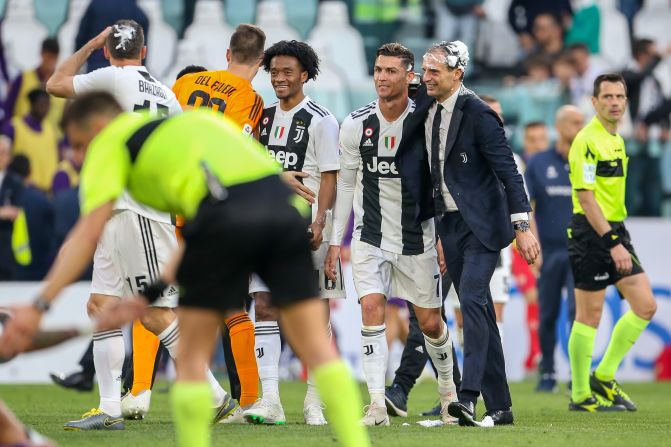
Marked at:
<point>390,143</point>
<point>265,120</point>
<point>299,134</point>
<point>368,132</point>
<point>551,172</point>
<point>464,157</point>
<point>279,132</point>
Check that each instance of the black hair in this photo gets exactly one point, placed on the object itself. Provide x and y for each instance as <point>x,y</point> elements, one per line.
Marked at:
<point>397,50</point>
<point>20,165</point>
<point>51,46</point>
<point>608,77</point>
<point>532,124</point>
<point>191,69</point>
<point>36,94</point>
<point>88,105</point>
<point>306,56</point>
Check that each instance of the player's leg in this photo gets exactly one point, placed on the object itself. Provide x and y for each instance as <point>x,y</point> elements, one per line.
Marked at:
<point>268,347</point>
<point>241,333</point>
<point>313,413</point>
<point>550,285</point>
<point>145,351</point>
<point>638,293</point>
<point>372,280</point>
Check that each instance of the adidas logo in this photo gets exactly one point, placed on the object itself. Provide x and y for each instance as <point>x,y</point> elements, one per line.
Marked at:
<point>264,132</point>
<point>420,349</point>
<point>368,142</point>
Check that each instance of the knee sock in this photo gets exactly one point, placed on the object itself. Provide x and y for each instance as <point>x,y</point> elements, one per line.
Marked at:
<point>145,347</point>
<point>343,402</point>
<point>625,333</point>
<point>192,413</point>
<point>170,339</point>
<point>312,395</point>
<point>241,330</point>
<point>268,350</point>
<point>440,351</point>
<point>580,348</point>
<point>375,355</point>
<point>108,357</point>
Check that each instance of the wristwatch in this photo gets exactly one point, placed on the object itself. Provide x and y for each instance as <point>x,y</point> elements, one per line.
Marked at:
<point>41,304</point>
<point>521,225</point>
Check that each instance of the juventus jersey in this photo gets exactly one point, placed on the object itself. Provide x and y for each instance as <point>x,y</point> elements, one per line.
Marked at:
<point>384,211</point>
<point>135,89</point>
<point>305,139</point>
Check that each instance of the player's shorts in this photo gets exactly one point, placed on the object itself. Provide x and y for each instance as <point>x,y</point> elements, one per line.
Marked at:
<point>412,277</point>
<point>327,289</point>
<point>591,262</point>
<point>131,254</point>
<point>255,229</point>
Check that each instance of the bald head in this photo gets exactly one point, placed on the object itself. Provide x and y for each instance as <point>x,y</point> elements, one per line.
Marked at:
<point>568,122</point>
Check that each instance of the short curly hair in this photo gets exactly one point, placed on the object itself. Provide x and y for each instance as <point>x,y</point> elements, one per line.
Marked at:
<point>300,50</point>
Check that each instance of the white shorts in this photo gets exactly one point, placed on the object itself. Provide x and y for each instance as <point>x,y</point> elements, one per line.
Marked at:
<point>130,256</point>
<point>327,288</point>
<point>499,285</point>
<point>411,277</point>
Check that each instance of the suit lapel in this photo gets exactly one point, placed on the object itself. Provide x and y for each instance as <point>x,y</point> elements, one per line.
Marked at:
<point>453,130</point>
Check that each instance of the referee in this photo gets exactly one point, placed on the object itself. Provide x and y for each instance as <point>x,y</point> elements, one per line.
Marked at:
<point>601,253</point>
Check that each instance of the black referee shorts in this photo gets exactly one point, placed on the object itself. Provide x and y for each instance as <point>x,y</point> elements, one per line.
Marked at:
<point>592,265</point>
<point>255,229</point>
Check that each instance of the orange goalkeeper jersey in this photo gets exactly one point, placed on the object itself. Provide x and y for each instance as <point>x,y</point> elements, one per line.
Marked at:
<point>222,91</point>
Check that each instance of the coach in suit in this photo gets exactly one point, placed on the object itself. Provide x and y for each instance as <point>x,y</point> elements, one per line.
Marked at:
<point>456,163</point>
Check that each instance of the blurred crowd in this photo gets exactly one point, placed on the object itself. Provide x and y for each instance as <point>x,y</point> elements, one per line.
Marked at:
<point>533,55</point>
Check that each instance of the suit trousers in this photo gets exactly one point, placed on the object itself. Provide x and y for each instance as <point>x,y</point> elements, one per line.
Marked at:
<point>470,265</point>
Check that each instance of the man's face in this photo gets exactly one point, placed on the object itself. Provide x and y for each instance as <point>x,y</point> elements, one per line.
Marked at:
<point>611,102</point>
<point>580,60</point>
<point>545,29</point>
<point>48,64</point>
<point>496,107</point>
<point>535,140</point>
<point>80,136</point>
<point>441,81</point>
<point>40,108</point>
<point>391,77</point>
<point>287,76</point>
<point>569,125</point>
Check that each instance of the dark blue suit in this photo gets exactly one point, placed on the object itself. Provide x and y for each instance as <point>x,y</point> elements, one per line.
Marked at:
<point>482,178</point>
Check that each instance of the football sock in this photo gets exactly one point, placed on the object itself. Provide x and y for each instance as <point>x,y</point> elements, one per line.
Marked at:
<point>192,413</point>
<point>241,330</point>
<point>625,333</point>
<point>108,357</point>
<point>440,351</point>
<point>342,401</point>
<point>145,347</point>
<point>374,355</point>
<point>170,339</point>
<point>312,395</point>
<point>580,347</point>
<point>268,349</point>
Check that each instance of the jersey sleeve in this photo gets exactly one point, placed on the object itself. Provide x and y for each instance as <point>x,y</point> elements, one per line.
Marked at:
<point>104,174</point>
<point>582,164</point>
<point>350,157</point>
<point>326,144</point>
<point>246,111</point>
<point>100,79</point>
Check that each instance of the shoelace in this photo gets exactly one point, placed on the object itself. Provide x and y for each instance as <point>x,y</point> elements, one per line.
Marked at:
<point>91,412</point>
<point>619,390</point>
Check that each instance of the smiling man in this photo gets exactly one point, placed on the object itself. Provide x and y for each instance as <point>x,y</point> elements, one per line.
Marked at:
<point>601,253</point>
<point>303,137</point>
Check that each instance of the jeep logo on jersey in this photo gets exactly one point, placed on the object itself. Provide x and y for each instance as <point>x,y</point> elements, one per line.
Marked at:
<point>288,160</point>
<point>279,131</point>
<point>390,143</point>
<point>383,166</point>
<point>299,134</point>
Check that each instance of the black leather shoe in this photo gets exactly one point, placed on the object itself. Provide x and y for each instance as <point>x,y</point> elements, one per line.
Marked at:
<point>435,411</point>
<point>464,411</point>
<point>396,400</point>
<point>501,417</point>
<point>76,381</point>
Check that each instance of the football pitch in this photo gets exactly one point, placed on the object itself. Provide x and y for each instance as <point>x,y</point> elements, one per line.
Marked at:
<point>541,420</point>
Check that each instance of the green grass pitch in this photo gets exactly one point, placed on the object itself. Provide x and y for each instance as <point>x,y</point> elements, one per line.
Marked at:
<point>541,420</point>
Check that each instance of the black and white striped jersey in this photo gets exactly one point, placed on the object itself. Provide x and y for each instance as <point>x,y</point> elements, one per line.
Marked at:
<point>305,139</point>
<point>384,211</point>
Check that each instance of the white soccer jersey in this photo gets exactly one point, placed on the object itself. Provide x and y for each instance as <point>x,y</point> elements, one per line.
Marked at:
<point>305,139</point>
<point>135,89</point>
<point>384,211</point>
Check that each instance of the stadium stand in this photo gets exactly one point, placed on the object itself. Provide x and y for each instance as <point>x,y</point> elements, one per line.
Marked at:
<point>22,35</point>
<point>272,18</point>
<point>162,36</point>
<point>210,32</point>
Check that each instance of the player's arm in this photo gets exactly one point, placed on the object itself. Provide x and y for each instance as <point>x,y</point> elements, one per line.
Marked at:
<point>61,83</point>
<point>73,259</point>
<point>327,151</point>
<point>349,164</point>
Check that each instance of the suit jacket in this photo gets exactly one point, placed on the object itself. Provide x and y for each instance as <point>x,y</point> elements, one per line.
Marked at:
<point>479,170</point>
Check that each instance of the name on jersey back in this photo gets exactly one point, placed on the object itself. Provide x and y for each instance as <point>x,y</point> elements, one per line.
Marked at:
<point>152,89</point>
<point>217,86</point>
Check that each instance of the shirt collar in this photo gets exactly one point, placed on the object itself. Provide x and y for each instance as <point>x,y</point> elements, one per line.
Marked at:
<point>451,101</point>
